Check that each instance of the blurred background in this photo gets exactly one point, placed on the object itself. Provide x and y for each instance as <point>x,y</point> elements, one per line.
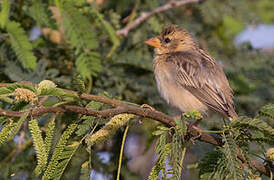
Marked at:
<point>238,34</point>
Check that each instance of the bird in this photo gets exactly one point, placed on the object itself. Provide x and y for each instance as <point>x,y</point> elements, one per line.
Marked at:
<point>187,77</point>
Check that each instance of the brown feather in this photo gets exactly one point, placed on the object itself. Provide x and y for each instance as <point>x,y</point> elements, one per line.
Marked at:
<point>188,78</point>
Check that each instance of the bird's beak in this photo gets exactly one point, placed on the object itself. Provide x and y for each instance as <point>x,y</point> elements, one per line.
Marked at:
<point>155,42</point>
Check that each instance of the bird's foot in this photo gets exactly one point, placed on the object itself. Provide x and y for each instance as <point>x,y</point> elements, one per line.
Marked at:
<point>192,138</point>
<point>147,107</point>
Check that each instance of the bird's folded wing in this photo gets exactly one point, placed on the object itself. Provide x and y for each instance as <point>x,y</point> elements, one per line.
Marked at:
<point>205,79</point>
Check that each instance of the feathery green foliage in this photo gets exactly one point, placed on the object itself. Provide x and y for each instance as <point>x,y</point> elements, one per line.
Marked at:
<point>50,134</point>
<point>78,29</point>
<point>173,148</point>
<point>82,37</point>
<point>88,64</point>
<point>9,131</point>
<point>230,161</point>
<point>21,45</point>
<point>222,163</point>
<point>163,149</point>
<point>109,30</point>
<point>39,146</point>
<point>88,121</point>
<point>42,15</point>
<point>5,12</point>
<point>253,124</point>
<point>14,86</point>
<point>64,159</point>
<point>267,110</point>
<point>53,167</point>
<point>208,164</point>
<point>56,92</point>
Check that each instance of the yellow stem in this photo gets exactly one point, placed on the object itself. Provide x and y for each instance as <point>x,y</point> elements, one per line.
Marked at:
<point>121,152</point>
<point>182,160</point>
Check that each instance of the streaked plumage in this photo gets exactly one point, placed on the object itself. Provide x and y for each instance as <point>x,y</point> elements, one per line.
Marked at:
<point>187,77</point>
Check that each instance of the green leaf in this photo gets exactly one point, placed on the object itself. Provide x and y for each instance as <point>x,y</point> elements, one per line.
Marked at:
<point>39,146</point>
<point>78,29</point>
<point>88,122</point>
<point>9,131</point>
<point>53,167</point>
<point>64,159</point>
<point>267,111</point>
<point>21,45</point>
<point>56,92</point>
<point>49,134</point>
<point>14,86</point>
<point>5,11</point>
<point>108,28</point>
<point>208,163</point>
<point>42,15</point>
<point>232,163</point>
<point>5,90</point>
<point>265,10</point>
<point>88,64</point>
<point>255,124</point>
<point>232,26</point>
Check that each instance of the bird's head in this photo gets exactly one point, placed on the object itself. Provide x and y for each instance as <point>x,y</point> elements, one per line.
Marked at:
<point>172,39</point>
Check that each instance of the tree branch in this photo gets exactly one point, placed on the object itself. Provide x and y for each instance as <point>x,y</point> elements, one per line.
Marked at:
<point>146,15</point>
<point>120,107</point>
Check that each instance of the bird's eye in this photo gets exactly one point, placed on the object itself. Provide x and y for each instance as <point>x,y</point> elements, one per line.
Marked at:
<point>167,40</point>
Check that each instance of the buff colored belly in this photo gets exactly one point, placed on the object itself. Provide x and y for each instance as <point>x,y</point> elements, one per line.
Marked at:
<point>174,94</point>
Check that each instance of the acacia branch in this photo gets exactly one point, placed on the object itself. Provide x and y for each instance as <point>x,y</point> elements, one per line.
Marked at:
<point>146,15</point>
<point>120,107</point>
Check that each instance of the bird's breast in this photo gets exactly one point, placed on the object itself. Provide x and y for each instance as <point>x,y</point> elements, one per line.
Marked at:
<point>174,94</point>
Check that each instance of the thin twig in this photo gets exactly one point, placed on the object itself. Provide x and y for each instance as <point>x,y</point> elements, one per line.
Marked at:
<point>146,15</point>
<point>121,152</point>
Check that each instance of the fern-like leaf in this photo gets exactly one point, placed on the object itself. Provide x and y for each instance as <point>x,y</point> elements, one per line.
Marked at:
<point>10,88</point>
<point>5,11</point>
<point>10,130</point>
<point>88,64</point>
<point>64,159</point>
<point>21,45</point>
<point>42,15</point>
<point>230,153</point>
<point>163,149</point>
<point>208,163</point>
<point>39,146</point>
<point>56,92</point>
<point>267,111</point>
<point>255,124</point>
<point>88,121</point>
<point>109,30</point>
<point>49,134</point>
<point>78,28</point>
<point>58,153</point>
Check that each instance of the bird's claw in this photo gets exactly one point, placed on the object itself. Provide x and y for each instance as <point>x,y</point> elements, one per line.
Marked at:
<point>193,138</point>
<point>147,106</point>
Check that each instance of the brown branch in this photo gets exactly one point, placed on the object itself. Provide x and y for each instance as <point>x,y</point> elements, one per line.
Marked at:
<point>146,15</point>
<point>123,107</point>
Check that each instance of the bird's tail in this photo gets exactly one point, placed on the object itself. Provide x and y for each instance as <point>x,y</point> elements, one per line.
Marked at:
<point>232,114</point>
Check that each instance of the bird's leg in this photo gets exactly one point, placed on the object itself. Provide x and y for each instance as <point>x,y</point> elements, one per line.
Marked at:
<point>194,126</point>
<point>145,106</point>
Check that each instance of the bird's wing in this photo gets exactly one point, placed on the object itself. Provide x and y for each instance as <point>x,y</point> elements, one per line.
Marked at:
<point>205,79</point>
